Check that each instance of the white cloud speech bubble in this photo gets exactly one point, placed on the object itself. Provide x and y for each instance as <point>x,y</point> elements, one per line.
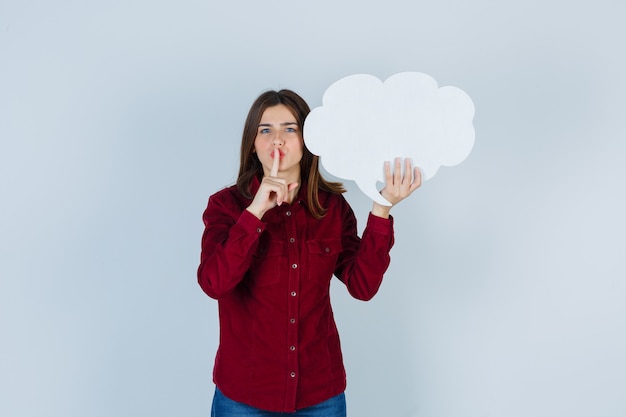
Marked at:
<point>364,122</point>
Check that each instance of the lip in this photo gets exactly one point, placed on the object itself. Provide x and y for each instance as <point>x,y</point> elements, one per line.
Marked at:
<point>281,155</point>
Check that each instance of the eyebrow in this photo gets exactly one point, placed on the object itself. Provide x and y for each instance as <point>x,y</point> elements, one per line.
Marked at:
<point>282,124</point>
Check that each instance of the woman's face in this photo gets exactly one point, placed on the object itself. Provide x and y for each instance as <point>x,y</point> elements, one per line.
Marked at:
<point>278,129</point>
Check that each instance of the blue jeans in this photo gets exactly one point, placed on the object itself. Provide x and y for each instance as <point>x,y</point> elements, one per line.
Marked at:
<point>225,407</point>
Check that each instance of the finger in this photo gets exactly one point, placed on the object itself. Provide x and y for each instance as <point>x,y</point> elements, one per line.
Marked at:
<point>407,178</point>
<point>274,171</point>
<point>280,193</point>
<point>397,172</point>
<point>275,189</point>
<point>388,177</point>
<point>417,179</point>
<point>284,193</point>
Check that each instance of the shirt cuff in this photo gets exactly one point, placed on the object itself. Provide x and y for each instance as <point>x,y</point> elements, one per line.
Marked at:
<point>251,223</point>
<point>380,225</point>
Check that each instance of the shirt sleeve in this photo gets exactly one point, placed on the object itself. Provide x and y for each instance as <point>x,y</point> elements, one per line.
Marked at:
<point>363,261</point>
<point>230,238</point>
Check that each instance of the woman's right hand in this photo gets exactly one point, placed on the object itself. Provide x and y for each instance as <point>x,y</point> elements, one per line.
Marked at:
<point>272,191</point>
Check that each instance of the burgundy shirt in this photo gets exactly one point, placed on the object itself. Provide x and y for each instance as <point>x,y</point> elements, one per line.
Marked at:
<point>279,347</point>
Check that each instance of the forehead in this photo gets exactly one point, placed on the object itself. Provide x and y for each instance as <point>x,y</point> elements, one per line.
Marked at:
<point>278,114</point>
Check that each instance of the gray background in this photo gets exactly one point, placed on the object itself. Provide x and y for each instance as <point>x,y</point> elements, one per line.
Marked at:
<point>506,294</point>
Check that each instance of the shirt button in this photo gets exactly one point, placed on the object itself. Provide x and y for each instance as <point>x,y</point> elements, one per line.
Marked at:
<point>294,266</point>
<point>293,374</point>
<point>292,348</point>
<point>258,230</point>
<point>293,294</point>
<point>292,321</point>
<point>291,240</point>
<point>288,213</point>
<point>327,250</point>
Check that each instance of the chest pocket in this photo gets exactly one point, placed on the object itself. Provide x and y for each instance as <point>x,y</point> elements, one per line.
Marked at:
<point>267,263</point>
<point>323,254</point>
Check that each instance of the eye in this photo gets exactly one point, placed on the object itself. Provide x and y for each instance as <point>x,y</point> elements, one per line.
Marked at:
<point>264,130</point>
<point>290,129</point>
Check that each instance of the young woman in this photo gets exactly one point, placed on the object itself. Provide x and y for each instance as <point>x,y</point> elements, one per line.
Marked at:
<point>269,250</point>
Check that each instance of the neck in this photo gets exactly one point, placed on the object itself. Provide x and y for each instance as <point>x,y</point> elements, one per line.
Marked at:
<point>293,194</point>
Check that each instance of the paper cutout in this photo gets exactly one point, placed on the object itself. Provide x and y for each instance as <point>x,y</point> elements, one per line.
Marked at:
<point>364,122</point>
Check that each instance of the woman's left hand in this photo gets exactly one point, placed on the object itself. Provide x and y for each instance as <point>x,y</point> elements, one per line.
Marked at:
<point>399,184</point>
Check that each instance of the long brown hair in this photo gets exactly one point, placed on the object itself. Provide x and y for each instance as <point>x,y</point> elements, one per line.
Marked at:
<point>250,166</point>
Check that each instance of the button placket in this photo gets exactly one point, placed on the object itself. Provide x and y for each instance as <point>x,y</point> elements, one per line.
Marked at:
<point>293,289</point>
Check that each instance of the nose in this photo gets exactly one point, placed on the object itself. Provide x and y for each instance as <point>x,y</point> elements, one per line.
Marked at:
<point>277,140</point>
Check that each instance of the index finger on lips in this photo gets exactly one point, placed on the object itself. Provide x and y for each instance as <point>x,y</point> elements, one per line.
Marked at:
<point>274,171</point>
